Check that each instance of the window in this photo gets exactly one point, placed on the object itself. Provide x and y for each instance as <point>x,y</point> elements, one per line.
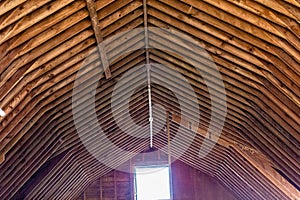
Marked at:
<point>152,183</point>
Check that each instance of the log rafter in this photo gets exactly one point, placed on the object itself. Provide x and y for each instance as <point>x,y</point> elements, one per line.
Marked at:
<point>255,45</point>
<point>99,38</point>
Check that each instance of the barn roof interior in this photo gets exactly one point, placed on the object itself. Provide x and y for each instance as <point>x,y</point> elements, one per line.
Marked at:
<point>61,63</point>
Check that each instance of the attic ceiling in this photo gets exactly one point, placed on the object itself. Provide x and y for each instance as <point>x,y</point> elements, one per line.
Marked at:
<point>43,44</point>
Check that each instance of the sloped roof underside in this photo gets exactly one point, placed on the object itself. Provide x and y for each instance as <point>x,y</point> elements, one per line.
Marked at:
<point>43,44</point>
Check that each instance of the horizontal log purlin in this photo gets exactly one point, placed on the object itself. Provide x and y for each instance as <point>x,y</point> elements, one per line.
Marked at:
<point>257,47</point>
<point>24,9</point>
<point>211,136</point>
<point>11,116</point>
<point>8,5</point>
<point>276,108</point>
<point>239,165</point>
<point>291,9</point>
<point>283,8</point>
<point>259,9</point>
<point>32,19</point>
<point>263,92</point>
<point>256,95</point>
<point>194,11</point>
<point>287,188</point>
<point>25,129</point>
<point>225,25</point>
<point>267,30</point>
<point>106,9</point>
<point>118,14</point>
<point>9,98</point>
<point>272,154</point>
<point>115,27</point>
<point>84,164</point>
<point>72,12</point>
<point>262,164</point>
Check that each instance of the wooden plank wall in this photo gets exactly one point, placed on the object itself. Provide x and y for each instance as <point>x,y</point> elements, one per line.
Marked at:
<point>188,183</point>
<point>254,44</point>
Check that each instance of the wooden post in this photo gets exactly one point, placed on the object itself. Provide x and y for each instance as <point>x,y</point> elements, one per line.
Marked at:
<point>146,31</point>
<point>84,195</point>
<point>100,180</point>
<point>115,185</point>
<point>169,153</point>
<point>131,180</point>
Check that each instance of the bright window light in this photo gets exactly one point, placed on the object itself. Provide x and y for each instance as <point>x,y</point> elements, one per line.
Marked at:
<point>2,113</point>
<point>152,183</point>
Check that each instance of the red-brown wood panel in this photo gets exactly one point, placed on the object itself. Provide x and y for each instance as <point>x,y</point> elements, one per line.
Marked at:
<point>188,183</point>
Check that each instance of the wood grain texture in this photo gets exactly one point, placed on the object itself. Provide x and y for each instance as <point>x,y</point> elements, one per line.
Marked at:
<point>254,44</point>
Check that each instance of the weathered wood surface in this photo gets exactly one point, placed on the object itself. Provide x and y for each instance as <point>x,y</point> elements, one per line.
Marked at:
<point>254,44</point>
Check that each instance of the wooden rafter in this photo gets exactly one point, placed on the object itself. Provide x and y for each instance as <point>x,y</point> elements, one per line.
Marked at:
<point>256,158</point>
<point>99,37</point>
<point>146,30</point>
<point>255,45</point>
<point>263,165</point>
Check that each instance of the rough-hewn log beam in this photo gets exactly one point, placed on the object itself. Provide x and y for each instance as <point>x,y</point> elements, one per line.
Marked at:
<point>45,169</point>
<point>250,154</point>
<point>8,5</point>
<point>187,123</point>
<point>99,37</point>
<point>146,30</point>
<point>263,165</point>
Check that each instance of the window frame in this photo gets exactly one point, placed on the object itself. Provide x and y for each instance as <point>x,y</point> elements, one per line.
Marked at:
<point>151,167</point>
